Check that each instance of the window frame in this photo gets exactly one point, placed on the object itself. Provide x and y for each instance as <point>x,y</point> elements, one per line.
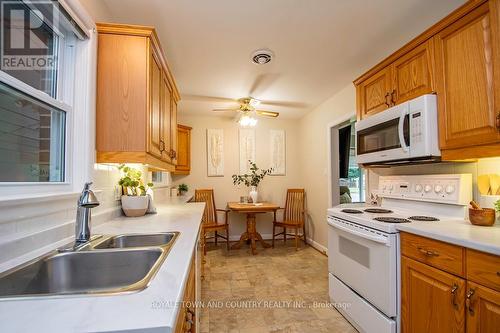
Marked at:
<point>78,57</point>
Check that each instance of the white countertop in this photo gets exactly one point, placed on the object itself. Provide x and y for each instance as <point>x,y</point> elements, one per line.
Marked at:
<point>486,239</point>
<point>150,310</point>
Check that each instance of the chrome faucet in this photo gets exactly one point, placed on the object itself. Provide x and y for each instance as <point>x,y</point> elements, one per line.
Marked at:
<point>86,202</point>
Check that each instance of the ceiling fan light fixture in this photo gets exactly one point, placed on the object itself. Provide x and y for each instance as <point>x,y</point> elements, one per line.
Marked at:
<point>254,102</point>
<point>247,121</point>
<point>262,56</point>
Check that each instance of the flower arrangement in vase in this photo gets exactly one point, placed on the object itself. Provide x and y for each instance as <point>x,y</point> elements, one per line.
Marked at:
<point>252,179</point>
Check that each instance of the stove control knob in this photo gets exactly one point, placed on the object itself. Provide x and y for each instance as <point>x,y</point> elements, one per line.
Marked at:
<point>427,188</point>
<point>418,188</point>
<point>438,188</point>
<point>450,189</point>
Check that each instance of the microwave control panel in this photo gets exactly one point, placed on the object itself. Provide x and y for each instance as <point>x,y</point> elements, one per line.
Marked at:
<point>455,188</point>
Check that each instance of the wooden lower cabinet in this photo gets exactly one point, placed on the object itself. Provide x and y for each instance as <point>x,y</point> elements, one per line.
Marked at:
<point>186,318</point>
<point>483,309</point>
<point>435,299</point>
<point>432,300</point>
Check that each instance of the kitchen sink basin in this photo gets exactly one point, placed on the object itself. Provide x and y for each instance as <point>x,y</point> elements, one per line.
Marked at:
<point>136,240</point>
<point>106,265</point>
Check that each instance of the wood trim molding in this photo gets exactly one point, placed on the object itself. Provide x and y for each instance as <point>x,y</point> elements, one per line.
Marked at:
<point>133,157</point>
<point>473,152</point>
<point>144,31</point>
<point>423,37</point>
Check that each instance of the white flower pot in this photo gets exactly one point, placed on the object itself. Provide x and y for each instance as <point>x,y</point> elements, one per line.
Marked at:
<point>253,194</point>
<point>134,206</point>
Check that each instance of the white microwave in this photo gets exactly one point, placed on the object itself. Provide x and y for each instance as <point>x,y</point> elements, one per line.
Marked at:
<point>405,133</point>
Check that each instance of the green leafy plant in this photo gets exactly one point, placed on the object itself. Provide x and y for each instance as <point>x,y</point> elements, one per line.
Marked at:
<point>131,181</point>
<point>182,188</point>
<point>497,205</point>
<point>254,178</point>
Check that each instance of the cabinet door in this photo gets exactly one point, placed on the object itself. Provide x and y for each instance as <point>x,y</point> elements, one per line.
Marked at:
<point>412,74</point>
<point>183,150</point>
<point>483,309</point>
<point>166,119</point>
<point>432,301</point>
<point>467,63</point>
<point>154,133</point>
<point>173,130</point>
<point>373,94</point>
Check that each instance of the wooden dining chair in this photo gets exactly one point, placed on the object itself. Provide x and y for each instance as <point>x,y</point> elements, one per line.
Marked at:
<point>209,220</point>
<point>293,216</point>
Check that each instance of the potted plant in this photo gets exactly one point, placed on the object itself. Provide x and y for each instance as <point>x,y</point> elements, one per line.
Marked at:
<point>134,199</point>
<point>182,189</point>
<point>251,180</point>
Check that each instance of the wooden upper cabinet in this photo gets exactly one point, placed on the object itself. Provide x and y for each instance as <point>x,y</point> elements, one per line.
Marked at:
<point>482,309</point>
<point>468,82</point>
<point>183,166</point>
<point>155,118</point>
<point>373,94</point>
<point>431,300</point>
<point>413,74</point>
<point>407,77</point>
<point>135,90</point>
<point>173,132</point>
<point>166,108</point>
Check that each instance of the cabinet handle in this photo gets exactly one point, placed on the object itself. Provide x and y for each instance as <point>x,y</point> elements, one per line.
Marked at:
<point>498,121</point>
<point>387,96</point>
<point>393,100</point>
<point>162,146</point>
<point>428,253</point>
<point>468,301</point>
<point>454,296</point>
<point>498,273</point>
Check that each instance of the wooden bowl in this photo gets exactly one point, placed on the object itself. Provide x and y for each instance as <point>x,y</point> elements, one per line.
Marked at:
<point>483,217</point>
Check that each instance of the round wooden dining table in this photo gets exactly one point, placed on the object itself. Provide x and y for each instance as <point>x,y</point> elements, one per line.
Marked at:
<point>251,210</point>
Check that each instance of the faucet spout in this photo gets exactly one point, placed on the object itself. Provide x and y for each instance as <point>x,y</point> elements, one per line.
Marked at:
<point>86,202</point>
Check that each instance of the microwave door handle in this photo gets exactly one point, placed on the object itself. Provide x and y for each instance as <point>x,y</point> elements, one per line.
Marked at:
<point>401,127</point>
<point>378,239</point>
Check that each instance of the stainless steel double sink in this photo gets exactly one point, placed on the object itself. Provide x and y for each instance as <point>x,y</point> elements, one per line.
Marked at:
<point>105,265</point>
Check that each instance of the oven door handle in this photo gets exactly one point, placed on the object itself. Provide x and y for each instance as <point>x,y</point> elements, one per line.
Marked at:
<point>374,238</point>
<point>401,133</point>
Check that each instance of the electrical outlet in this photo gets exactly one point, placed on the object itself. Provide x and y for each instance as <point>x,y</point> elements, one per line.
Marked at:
<point>118,192</point>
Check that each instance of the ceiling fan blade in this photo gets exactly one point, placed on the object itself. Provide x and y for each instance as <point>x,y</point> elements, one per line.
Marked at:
<point>222,110</point>
<point>287,104</point>
<point>262,83</point>
<point>202,98</point>
<point>267,113</point>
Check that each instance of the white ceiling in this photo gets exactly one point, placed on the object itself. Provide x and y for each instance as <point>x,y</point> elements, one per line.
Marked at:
<point>320,45</point>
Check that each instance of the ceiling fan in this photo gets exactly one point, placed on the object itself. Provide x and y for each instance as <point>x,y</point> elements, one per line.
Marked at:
<point>247,106</point>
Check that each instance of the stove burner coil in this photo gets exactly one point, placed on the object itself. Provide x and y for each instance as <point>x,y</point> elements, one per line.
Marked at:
<point>391,220</point>
<point>423,218</point>
<point>378,210</point>
<point>351,211</point>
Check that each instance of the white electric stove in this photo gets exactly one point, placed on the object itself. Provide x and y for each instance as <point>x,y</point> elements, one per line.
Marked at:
<point>363,243</point>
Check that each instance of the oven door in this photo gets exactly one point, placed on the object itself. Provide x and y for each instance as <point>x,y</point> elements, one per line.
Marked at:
<point>365,260</point>
<point>384,136</point>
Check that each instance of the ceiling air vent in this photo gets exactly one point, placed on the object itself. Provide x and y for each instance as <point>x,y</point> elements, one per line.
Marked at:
<point>262,57</point>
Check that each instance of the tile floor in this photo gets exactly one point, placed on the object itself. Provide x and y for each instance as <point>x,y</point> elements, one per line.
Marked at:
<point>236,281</point>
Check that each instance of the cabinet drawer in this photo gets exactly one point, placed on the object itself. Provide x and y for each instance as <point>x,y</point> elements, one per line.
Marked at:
<point>483,268</point>
<point>447,257</point>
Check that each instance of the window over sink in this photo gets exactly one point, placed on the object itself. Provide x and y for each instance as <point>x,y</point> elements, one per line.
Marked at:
<point>42,52</point>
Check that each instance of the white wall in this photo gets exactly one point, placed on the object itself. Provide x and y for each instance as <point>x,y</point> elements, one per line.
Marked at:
<point>313,147</point>
<point>272,188</point>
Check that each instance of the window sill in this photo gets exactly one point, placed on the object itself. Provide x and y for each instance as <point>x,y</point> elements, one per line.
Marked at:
<point>22,199</point>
